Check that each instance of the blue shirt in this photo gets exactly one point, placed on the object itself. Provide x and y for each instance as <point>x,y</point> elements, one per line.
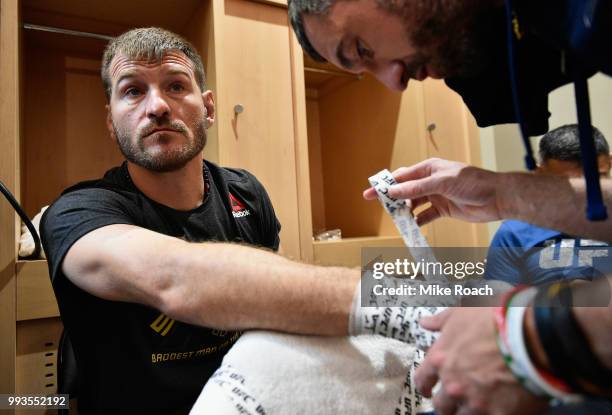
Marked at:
<point>522,253</point>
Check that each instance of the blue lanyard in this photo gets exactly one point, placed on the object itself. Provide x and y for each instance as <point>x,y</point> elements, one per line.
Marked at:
<point>596,210</point>
<point>529,159</point>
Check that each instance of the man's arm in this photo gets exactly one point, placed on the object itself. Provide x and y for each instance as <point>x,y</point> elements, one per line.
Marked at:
<point>595,320</point>
<point>553,202</point>
<point>218,285</point>
<point>477,195</point>
<point>468,363</point>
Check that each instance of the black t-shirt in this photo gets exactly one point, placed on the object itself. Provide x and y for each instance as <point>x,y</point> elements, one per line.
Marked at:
<point>131,358</point>
<point>546,57</point>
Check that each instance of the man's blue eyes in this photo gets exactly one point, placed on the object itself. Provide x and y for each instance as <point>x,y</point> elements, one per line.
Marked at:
<point>134,92</point>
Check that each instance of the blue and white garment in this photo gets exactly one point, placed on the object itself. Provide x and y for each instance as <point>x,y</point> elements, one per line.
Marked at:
<point>522,253</point>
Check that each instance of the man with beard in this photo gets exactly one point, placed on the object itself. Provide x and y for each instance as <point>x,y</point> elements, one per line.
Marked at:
<point>468,43</point>
<point>463,42</point>
<point>155,266</point>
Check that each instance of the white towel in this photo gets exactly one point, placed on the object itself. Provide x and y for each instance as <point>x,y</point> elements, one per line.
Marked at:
<point>272,373</point>
<point>26,241</point>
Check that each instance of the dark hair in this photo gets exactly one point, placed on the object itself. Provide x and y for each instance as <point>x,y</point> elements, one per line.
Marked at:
<point>563,144</point>
<point>149,43</point>
<point>297,8</point>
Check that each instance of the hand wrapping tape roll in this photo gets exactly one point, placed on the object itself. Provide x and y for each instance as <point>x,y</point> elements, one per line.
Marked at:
<point>406,225</point>
<point>404,221</point>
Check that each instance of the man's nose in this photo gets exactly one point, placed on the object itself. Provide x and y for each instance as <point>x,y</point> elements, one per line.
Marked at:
<point>157,106</point>
<point>390,75</point>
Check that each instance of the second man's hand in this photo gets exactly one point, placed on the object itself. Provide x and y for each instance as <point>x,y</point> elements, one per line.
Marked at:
<point>454,189</point>
<point>473,194</point>
<point>469,366</point>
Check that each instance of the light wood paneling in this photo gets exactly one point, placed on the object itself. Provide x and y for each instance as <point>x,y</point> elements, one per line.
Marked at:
<point>37,343</point>
<point>357,128</point>
<point>409,146</point>
<point>279,3</point>
<point>364,129</point>
<point>472,133</point>
<point>324,76</point>
<point>254,70</point>
<point>65,135</point>
<point>200,32</point>
<point>35,297</point>
<point>347,252</point>
<point>172,15</point>
<point>9,167</point>
<point>317,184</point>
<point>453,138</point>
<point>302,164</point>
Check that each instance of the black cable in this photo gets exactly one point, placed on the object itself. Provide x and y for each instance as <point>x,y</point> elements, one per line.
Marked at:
<point>9,196</point>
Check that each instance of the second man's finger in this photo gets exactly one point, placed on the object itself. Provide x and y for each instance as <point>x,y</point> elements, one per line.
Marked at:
<point>416,171</point>
<point>414,189</point>
<point>426,376</point>
<point>370,194</point>
<point>437,321</point>
<point>445,404</point>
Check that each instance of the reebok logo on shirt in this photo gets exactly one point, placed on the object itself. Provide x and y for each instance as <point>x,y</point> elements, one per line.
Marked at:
<point>238,209</point>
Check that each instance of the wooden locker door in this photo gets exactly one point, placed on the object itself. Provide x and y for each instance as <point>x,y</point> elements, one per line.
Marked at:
<point>451,133</point>
<point>10,67</point>
<point>254,71</point>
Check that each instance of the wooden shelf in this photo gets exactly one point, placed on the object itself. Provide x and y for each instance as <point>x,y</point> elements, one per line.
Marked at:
<point>35,297</point>
<point>322,78</point>
<point>347,252</point>
<point>92,15</point>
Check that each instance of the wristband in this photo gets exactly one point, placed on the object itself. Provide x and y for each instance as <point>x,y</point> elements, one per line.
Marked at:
<point>567,348</point>
<point>592,377</point>
<point>559,364</point>
<point>511,341</point>
<point>535,379</point>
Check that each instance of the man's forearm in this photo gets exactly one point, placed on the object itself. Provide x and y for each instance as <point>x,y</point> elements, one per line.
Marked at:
<point>552,202</point>
<point>238,287</point>
<point>218,285</point>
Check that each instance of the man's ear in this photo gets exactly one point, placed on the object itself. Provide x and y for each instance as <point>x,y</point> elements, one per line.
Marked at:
<point>209,103</point>
<point>109,123</point>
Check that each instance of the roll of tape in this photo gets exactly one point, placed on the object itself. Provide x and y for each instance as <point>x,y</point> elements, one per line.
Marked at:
<point>404,221</point>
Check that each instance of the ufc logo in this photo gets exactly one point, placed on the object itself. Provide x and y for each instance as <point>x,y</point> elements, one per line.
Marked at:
<point>564,253</point>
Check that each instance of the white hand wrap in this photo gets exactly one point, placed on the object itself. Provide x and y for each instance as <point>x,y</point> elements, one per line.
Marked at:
<point>400,323</point>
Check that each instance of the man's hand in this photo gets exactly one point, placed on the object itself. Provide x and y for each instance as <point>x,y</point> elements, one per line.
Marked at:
<point>454,189</point>
<point>467,362</point>
<point>476,195</point>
